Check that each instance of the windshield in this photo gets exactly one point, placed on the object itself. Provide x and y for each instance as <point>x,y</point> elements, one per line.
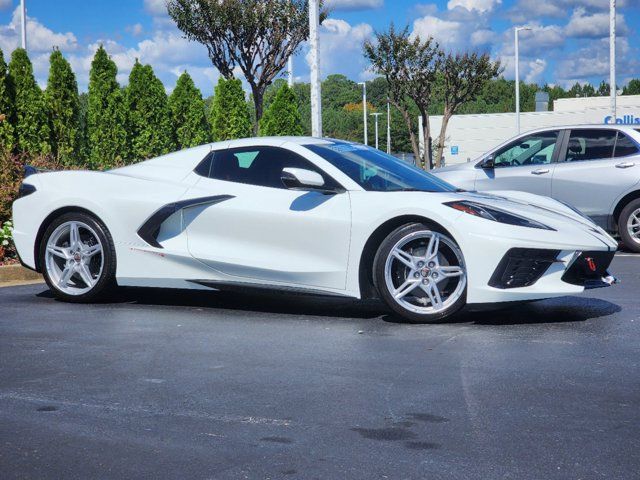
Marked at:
<point>376,171</point>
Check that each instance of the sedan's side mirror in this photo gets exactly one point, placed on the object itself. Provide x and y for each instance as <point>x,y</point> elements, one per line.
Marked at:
<point>301,179</point>
<point>488,163</point>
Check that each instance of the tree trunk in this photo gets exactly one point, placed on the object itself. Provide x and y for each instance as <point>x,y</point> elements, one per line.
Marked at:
<point>258,98</point>
<point>412,135</point>
<point>426,133</point>
<point>443,132</point>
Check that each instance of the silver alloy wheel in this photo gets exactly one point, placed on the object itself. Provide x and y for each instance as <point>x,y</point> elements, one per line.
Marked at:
<point>74,258</point>
<point>425,272</point>
<point>633,225</point>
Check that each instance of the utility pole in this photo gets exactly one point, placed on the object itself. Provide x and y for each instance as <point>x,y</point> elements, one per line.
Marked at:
<point>612,58</point>
<point>388,126</point>
<point>375,116</point>
<point>517,30</point>
<point>24,24</point>
<point>316,102</point>
<point>290,71</point>
<point>364,110</point>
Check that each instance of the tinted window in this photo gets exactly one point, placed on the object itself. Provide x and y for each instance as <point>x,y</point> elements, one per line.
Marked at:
<point>260,166</point>
<point>376,171</point>
<point>624,146</point>
<point>590,145</point>
<point>535,149</point>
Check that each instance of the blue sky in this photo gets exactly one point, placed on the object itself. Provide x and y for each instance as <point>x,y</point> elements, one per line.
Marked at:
<point>568,43</point>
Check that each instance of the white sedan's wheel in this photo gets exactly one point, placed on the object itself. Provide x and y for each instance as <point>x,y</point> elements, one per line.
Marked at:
<point>421,274</point>
<point>78,258</point>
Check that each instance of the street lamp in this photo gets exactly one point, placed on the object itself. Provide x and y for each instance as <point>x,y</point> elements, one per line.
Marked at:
<point>612,57</point>
<point>316,103</point>
<point>364,109</point>
<point>376,115</point>
<point>517,30</point>
<point>24,23</point>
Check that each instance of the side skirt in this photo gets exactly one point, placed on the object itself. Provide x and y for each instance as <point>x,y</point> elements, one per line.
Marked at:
<point>245,287</point>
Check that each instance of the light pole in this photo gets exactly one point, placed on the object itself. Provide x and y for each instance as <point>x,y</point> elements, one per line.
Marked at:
<point>388,126</point>
<point>24,23</point>
<point>316,104</point>
<point>376,115</point>
<point>517,30</point>
<point>612,57</point>
<point>364,109</point>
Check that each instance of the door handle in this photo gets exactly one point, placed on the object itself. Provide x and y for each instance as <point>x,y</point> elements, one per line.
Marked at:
<point>625,165</point>
<point>540,171</point>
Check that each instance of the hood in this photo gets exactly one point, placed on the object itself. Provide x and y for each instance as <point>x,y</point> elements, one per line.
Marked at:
<point>545,210</point>
<point>453,168</point>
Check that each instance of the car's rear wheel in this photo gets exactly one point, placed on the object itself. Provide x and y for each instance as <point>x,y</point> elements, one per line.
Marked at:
<point>420,273</point>
<point>78,258</point>
<point>629,226</point>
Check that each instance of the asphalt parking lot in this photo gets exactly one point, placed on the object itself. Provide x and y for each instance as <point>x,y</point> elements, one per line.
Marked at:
<point>225,386</point>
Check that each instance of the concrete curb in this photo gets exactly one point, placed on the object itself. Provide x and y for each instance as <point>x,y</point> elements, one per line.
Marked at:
<point>17,274</point>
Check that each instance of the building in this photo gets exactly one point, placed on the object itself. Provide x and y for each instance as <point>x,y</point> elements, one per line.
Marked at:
<point>470,136</point>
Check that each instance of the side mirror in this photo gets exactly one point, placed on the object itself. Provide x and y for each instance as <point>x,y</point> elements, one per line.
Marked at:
<point>488,163</point>
<point>301,179</point>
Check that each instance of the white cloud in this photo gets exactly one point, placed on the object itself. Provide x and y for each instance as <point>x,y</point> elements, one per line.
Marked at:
<point>336,5</point>
<point>534,70</point>
<point>448,33</point>
<point>482,37</point>
<point>155,7</point>
<point>423,9</point>
<point>593,61</point>
<point>584,25</point>
<point>478,5</point>
<point>39,37</point>
<point>341,47</point>
<point>136,29</point>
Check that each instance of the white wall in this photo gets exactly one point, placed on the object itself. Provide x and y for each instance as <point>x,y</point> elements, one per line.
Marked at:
<point>474,135</point>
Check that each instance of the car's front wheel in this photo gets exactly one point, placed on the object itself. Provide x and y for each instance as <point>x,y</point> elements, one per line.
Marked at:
<point>629,226</point>
<point>420,273</point>
<point>78,258</point>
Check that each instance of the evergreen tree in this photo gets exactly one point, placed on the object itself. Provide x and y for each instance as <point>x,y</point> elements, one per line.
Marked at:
<point>63,107</point>
<point>106,115</point>
<point>229,115</point>
<point>31,125</point>
<point>6,108</point>
<point>149,124</point>
<point>282,116</point>
<point>188,114</point>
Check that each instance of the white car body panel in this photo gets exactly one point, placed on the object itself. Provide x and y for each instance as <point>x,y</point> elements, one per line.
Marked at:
<point>286,238</point>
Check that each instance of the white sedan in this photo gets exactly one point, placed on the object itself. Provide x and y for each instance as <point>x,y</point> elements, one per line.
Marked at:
<point>301,214</point>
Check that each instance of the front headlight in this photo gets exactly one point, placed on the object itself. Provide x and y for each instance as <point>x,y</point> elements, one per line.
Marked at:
<point>495,214</point>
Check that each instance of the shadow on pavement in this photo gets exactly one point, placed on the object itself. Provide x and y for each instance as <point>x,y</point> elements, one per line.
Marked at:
<point>558,310</point>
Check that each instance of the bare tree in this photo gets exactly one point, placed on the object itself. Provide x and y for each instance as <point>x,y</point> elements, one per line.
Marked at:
<point>462,78</point>
<point>258,36</point>
<point>410,66</point>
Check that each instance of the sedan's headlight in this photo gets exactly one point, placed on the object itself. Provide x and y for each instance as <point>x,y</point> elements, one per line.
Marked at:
<point>495,214</point>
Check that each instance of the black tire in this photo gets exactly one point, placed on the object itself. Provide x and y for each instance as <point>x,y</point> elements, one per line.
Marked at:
<point>381,285</point>
<point>106,282</point>
<point>629,242</point>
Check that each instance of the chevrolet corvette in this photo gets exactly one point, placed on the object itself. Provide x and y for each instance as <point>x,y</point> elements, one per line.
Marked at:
<point>306,215</point>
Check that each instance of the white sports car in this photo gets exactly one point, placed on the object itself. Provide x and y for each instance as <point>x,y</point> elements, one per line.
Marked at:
<point>307,215</point>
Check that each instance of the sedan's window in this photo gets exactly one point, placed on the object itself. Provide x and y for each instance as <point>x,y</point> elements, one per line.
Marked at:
<point>535,149</point>
<point>260,166</point>
<point>590,144</point>
<point>625,146</point>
